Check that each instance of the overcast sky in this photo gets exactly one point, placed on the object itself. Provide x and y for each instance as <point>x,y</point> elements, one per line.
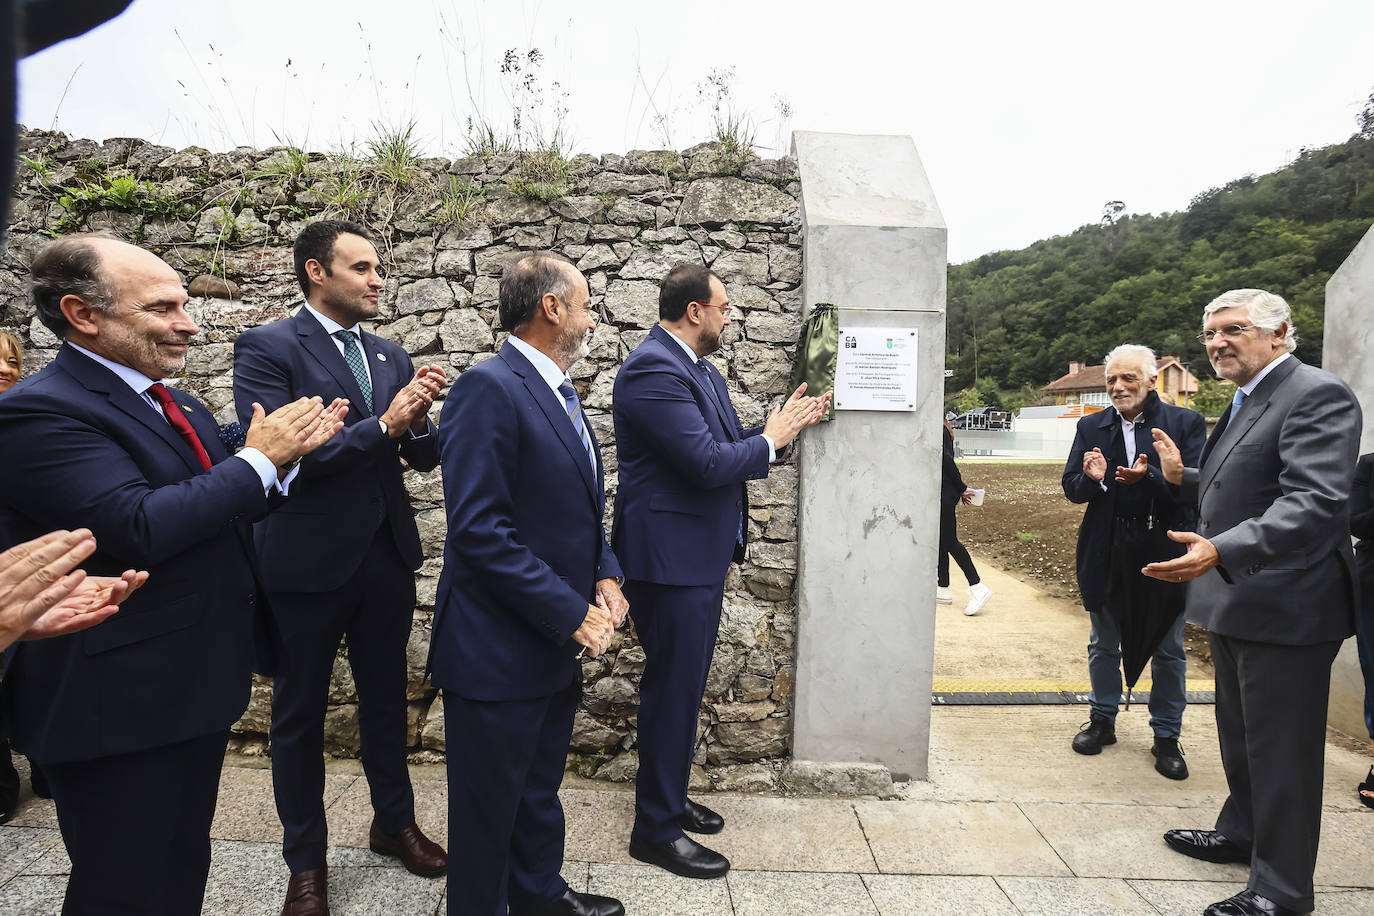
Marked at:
<point>1029,117</point>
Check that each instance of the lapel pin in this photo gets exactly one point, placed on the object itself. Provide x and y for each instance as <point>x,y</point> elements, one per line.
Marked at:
<point>187,409</point>
<point>381,357</point>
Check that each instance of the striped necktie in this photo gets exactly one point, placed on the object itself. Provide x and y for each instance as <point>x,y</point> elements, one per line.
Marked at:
<point>574,408</point>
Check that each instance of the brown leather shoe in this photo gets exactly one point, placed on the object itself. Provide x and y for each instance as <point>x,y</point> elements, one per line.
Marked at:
<point>307,894</point>
<point>417,852</point>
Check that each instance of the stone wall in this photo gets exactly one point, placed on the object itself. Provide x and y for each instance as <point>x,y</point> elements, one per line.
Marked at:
<point>227,222</point>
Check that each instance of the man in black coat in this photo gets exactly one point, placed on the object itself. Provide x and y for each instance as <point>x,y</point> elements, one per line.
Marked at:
<point>1127,506</point>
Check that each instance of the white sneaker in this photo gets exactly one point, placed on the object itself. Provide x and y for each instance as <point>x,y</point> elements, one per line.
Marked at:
<point>942,595</point>
<point>978,596</point>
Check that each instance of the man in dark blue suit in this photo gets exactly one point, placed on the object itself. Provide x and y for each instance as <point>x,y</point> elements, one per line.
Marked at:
<point>130,719</point>
<point>681,516</point>
<point>528,578</point>
<point>1129,506</point>
<point>342,560</point>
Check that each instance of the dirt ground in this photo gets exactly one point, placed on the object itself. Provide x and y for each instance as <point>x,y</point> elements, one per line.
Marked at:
<point>1027,527</point>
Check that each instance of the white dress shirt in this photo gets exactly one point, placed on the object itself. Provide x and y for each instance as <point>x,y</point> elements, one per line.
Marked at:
<point>552,375</point>
<point>140,383</point>
<point>331,327</point>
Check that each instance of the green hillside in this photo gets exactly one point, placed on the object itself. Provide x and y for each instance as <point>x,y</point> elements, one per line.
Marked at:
<point>1016,318</point>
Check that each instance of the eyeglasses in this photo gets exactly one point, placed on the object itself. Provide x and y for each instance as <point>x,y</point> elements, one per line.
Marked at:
<point>726,308</point>
<point>1230,332</point>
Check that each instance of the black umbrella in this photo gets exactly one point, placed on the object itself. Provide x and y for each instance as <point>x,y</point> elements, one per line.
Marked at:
<point>1144,608</point>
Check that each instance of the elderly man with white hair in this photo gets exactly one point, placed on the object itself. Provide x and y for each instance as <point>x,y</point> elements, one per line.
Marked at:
<point>1273,579</point>
<point>1114,469</point>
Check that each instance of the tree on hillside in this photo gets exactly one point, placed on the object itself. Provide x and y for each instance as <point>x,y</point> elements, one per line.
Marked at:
<point>1017,317</point>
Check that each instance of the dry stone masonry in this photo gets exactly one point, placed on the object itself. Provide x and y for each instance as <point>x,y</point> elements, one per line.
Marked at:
<point>227,222</point>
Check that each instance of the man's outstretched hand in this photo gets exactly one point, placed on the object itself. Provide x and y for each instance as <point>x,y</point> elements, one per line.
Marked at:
<point>1201,556</point>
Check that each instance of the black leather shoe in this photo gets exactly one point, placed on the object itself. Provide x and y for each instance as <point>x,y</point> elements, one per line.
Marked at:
<point>700,819</point>
<point>1095,734</point>
<point>1248,903</point>
<point>1207,845</point>
<point>683,856</point>
<point>1169,758</point>
<point>574,904</point>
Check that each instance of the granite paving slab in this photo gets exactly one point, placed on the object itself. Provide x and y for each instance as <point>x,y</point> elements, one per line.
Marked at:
<point>790,834</point>
<point>598,825</point>
<point>955,838</point>
<point>1075,897</point>
<point>247,811</point>
<point>645,889</point>
<point>1126,841</point>
<point>757,893</point>
<point>36,895</point>
<point>937,895</point>
<point>350,814</point>
<point>21,847</point>
<point>1345,857</point>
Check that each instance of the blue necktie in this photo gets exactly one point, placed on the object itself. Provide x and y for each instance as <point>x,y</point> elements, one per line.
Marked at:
<point>574,408</point>
<point>1236,402</point>
<point>353,355</point>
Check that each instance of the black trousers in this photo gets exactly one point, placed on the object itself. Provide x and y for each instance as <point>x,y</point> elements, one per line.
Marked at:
<point>506,822</point>
<point>137,828</point>
<point>1271,723</point>
<point>677,626</point>
<point>949,544</point>
<point>373,610</point>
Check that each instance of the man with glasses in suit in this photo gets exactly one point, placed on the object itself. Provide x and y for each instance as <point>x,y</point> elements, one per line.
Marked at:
<point>681,518</point>
<point>1273,579</point>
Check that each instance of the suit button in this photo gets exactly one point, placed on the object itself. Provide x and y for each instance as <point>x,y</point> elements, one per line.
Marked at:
<point>1256,568</point>
<point>252,600</point>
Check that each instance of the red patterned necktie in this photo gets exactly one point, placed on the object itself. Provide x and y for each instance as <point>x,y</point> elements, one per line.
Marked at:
<point>179,422</point>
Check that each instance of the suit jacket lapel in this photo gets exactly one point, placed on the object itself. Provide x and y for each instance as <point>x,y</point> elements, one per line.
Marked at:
<point>554,410</point>
<point>317,341</point>
<point>704,381</point>
<point>96,377</point>
<point>384,386</point>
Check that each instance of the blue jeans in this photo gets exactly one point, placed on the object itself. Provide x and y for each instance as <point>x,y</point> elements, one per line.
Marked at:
<point>1167,670</point>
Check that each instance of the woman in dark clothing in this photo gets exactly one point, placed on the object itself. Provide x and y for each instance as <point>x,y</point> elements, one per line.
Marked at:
<point>1362,526</point>
<point>952,492</point>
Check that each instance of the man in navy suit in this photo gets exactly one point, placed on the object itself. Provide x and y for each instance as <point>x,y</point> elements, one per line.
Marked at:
<point>528,579</point>
<point>130,719</point>
<point>681,516</point>
<point>342,560</point>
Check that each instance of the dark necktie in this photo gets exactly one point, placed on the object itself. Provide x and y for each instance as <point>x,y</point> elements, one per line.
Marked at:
<point>353,355</point>
<point>574,408</point>
<point>179,422</point>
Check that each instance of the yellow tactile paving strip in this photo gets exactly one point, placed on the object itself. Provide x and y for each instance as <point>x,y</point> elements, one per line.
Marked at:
<point>1019,685</point>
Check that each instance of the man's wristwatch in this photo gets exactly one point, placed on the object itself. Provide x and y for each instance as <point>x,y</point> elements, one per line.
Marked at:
<point>386,430</point>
